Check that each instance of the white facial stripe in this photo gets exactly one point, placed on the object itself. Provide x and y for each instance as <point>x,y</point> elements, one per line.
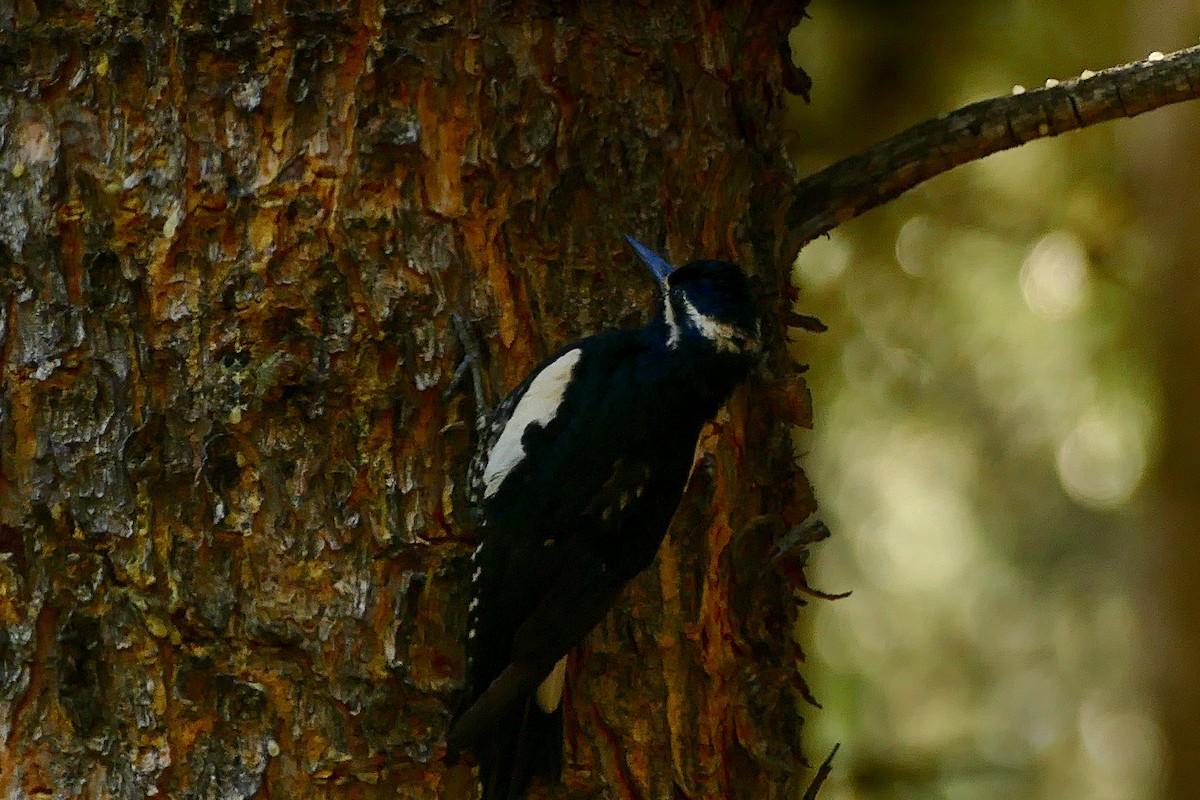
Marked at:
<point>672,323</point>
<point>538,405</point>
<point>722,334</point>
<point>549,691</point>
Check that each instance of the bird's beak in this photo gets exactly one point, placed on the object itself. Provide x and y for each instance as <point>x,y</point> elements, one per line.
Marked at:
<point>657,264</point>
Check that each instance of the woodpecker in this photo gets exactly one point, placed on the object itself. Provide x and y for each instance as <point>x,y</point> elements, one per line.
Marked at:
<point>575,482</point>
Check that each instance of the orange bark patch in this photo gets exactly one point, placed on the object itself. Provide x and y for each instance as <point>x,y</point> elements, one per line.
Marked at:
<point>445,128</point>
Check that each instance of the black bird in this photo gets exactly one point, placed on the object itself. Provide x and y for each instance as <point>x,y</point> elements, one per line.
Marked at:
<point>576,480</point>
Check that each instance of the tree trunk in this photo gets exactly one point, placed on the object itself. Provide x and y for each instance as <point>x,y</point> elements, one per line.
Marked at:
<point>233,541</point>
<point>1165,159</point>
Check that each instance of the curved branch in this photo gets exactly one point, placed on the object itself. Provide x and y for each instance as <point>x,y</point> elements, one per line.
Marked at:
<point>842,191</point>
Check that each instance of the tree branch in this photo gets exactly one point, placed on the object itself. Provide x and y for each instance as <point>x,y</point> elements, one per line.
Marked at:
<point>844,190</point>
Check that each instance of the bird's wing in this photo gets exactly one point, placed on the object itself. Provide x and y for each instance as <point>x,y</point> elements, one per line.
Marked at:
<point>577,602</point>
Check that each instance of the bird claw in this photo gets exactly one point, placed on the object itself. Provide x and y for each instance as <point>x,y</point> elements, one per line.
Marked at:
<point>472,361</point>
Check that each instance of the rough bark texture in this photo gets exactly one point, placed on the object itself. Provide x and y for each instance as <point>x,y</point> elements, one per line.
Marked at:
<point>232,537</point>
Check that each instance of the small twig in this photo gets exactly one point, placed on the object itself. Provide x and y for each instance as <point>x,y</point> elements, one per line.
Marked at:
<point>822,773</point>
<point>790,557</point>
<point>861,182</point>
<point>801,536</point>
<point>805,322</point>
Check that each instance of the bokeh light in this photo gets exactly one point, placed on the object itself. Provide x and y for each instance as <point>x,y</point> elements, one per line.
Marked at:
<point>1054,278</point>
<point>986,418</point>
<point>1101,460</point>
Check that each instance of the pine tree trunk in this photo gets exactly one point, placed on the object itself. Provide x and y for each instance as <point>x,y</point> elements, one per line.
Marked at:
<point>1165,159</point>
<point>233,541</point>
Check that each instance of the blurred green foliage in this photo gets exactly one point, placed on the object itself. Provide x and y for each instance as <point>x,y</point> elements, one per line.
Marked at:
<point>987,412</point>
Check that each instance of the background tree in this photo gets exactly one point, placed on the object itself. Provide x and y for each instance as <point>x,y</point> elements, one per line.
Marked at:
<point>999,441</point>
<point>1164,163</point>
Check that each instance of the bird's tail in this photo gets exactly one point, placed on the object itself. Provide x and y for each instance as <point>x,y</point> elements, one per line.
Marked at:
<point>509,758</point>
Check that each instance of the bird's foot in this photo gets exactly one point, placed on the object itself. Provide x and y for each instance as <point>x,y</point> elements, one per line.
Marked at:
<point>472,362</point>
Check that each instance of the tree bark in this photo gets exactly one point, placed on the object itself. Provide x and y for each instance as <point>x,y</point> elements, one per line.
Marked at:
<point>233,541</point>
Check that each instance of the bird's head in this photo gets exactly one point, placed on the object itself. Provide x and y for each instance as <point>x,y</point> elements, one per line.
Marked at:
<point>705,302</point>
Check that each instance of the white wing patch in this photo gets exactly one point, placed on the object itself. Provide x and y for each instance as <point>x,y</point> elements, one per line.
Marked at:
<point>538,405</point>
<point>549,691</point>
